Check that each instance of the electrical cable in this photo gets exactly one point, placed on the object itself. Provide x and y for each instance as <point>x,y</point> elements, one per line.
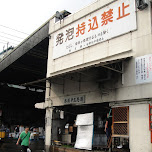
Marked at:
<point>10,39</point>
<point>12,35</point>
<point>13,29</point>
<point>8,42</point>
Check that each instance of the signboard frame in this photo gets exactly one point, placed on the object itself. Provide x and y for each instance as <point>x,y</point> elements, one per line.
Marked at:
<point>114,20</point>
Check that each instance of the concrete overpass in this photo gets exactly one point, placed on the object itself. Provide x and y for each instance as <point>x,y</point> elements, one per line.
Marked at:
<point>25,63</point>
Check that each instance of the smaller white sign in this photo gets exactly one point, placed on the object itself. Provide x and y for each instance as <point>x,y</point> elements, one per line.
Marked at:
<point>143,69</point>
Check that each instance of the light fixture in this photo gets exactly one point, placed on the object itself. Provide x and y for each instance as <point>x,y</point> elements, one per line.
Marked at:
<point>141,4</point>
<point>61,15</point>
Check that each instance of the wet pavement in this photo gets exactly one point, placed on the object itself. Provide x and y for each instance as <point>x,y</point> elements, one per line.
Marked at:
<point>9,145</point>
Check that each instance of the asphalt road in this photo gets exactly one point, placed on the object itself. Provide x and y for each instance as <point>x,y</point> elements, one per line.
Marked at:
<point>10,146</point>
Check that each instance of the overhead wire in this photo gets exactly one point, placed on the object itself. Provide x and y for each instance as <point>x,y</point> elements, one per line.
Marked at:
<point>8,42</point>
<point>5,41</point>
<point>12,35</point>
<point>9,38</point>
<point>13,29</point>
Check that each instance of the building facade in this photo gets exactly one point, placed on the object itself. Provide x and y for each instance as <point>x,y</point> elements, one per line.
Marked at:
<point>103,55</point>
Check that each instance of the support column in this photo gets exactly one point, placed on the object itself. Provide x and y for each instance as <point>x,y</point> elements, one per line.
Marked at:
<point>48,117</point>
<point>48,128</point>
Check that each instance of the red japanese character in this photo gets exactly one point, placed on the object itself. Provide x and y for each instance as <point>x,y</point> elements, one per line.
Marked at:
<point>94,25</point>
<point>80,29</point>
<point>123,11</point>
<point>107,17</point>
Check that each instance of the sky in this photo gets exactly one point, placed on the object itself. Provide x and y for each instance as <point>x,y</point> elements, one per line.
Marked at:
<point>19,18</point>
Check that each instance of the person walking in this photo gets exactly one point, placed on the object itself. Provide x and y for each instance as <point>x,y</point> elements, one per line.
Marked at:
<point>17,131</point>
<point>25,138</point>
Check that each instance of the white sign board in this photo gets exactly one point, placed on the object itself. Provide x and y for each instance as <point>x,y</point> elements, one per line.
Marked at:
<point>84,119</point>
<point>143,69</point>
<point>85,131</point>
<point>113,20</point>
<point>84,137</point>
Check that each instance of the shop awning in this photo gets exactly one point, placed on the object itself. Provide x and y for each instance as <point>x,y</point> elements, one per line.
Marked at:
<point>102,62</point>
<point>114,65</point>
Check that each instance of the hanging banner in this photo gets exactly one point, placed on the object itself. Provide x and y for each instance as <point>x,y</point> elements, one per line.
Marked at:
<point>143,69</point>
<point>111,21</point>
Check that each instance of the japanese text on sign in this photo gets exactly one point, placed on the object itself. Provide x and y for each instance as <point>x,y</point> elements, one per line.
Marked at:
<point>116,19</point>
<point>143,69</point>
<point>74,100</point>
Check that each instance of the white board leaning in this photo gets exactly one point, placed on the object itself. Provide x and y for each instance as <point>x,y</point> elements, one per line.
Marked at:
<point>85,131</point>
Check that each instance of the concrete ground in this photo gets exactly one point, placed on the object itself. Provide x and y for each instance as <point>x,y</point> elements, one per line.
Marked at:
<point>10,146</point>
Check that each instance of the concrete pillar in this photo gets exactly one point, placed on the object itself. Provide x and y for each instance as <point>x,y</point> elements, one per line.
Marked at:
<point>48,128</point>
<point>48,117</point>
<point>139,128</point>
